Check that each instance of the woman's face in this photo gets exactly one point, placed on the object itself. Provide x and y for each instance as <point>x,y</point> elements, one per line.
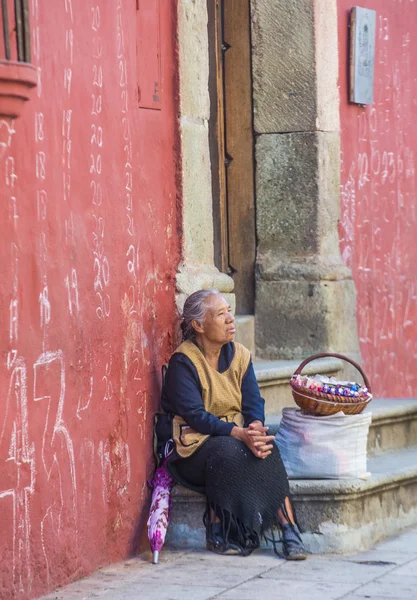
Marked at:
<point>218,325</point>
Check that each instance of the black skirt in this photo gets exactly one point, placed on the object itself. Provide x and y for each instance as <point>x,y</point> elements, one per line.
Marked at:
<point>244,491</point>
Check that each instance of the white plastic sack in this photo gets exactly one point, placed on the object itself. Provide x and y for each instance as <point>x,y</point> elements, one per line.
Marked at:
<point>331,447</point>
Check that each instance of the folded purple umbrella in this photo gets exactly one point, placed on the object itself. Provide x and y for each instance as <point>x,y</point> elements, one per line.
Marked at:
<point>160,510</point>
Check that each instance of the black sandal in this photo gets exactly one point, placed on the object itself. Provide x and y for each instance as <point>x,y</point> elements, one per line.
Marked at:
<point>292,543</point>
<point>215,541</point>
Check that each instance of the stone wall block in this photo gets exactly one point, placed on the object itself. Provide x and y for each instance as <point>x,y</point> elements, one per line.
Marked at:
<point>328,213</point>
<point>287,190</point>
<point>193,59</point>
<point>290,319</point>
<point>327,65</point>
<point>283,67</point>
<point>197,202</point>
<point>295,319</point>
<point>342,324</point>
<point>202,277</point>
<point>201,285</point>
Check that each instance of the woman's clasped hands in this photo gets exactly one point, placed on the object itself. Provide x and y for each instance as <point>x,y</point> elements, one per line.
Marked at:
<point>256,439</point>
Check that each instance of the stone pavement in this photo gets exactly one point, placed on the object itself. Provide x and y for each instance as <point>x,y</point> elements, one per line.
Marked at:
<point>389,570</point>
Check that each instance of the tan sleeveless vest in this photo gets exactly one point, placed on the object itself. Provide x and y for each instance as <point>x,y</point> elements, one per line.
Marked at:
<point>221,394</point>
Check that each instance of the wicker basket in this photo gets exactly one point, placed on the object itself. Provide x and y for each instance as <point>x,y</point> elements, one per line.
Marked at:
<point>316,403</point>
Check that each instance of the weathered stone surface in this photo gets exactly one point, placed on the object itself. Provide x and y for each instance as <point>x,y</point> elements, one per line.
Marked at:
<point>202,277</point>
<point>394,425</point>
<point>196,270</point>
<point>327,569</point>
<point>186,528</point>
<point>387,571</point>
<point>312,268</point>
<point>296,102</point>
<point>295,319</point>
<point>305,301</point>
<point>283,66</point>
<point>295,66</point>
<point>337,516</point>
<point>287,193</point>
<point>245,332</point>
<point>328,205</point>
<point>288,589</point>
<point>327,65</point>
<point>198,284</point>
<point>291,320</point>
<point>193,59</point>
<point>197,205</point>
<point>342,516</point>
<point>297,187</point>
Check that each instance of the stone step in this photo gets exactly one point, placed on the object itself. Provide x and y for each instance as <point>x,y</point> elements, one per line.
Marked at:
<point>346,516</point>
<point>338,516</point>
<point>393,427</point>
<point>274,376</point>
<point>245,332</point>
<point>394,424</point>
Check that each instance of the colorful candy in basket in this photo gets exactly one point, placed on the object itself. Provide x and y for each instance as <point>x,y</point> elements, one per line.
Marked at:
<point>330,385</point>
<point>325,396</point>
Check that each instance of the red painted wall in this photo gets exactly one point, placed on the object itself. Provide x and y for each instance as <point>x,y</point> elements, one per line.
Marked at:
<point>378,193</point>
<point>89,247</point>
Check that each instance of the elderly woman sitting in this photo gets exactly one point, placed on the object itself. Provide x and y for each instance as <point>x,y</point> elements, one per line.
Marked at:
<point>221,445</point>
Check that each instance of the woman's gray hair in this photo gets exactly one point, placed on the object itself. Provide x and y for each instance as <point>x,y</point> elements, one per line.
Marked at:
<point>195,308</point>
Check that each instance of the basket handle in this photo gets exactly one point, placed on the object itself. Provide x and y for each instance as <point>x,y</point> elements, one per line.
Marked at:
<point>326,355</point>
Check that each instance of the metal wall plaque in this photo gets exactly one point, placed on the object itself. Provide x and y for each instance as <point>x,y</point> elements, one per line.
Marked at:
<point>362,55</point>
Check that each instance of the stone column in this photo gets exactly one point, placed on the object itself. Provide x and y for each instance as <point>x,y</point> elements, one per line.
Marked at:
<point>305,296</point>
<point>197,270</point>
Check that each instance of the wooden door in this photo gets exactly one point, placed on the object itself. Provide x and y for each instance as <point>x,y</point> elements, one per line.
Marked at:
<point>233,183</point>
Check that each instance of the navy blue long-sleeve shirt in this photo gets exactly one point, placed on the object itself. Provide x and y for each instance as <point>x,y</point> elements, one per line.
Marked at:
<point>182,394</point>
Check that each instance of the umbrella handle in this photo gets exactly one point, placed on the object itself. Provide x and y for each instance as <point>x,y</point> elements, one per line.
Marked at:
<point>155,557</point>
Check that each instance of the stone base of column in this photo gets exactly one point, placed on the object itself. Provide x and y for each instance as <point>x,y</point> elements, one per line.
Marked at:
<point>297,318</point>
<point>191,278</point>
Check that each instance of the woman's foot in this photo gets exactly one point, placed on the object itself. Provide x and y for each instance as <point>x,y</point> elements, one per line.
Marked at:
<point>215,541</point>
<point>292,544</point>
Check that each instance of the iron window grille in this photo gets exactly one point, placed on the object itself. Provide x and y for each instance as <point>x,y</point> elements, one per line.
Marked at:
<point>21,19</point>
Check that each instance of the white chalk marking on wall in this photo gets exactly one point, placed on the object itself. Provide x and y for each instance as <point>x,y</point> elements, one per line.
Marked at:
<point>106,469</point>
<point>13,215</point>
<point>385,164</point>
<point>101,263</point>
<point>12,494</point>
<point>14,320</point>
<point>21,458</point>
<point>124,453</point>
<point>41,203</point>
<point>57,426</point>
<point>39,127</point>
<point>108,394</point>
<point>7,131</point>
<point>82,403</point>
<point>45,312</point>
<point>11,359</point>
<point>72,290</point>
<point>45,554</point>
<point>11,176</point>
